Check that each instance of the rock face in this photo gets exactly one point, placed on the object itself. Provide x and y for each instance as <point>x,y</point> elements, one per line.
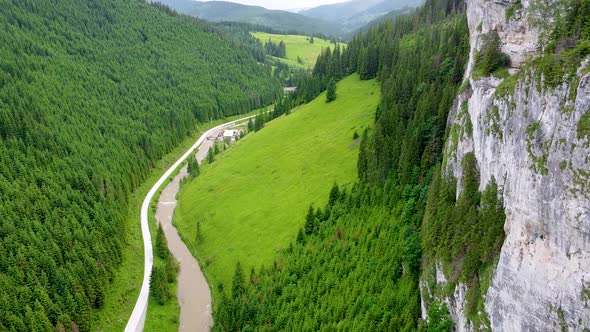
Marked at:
<point>528,140</point>
<point>519,40</point>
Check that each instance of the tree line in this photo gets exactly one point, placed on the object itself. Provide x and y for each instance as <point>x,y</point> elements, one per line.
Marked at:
<point>278,50</point>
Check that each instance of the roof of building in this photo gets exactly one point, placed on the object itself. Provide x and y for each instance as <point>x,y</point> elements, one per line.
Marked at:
<point>229,133</point>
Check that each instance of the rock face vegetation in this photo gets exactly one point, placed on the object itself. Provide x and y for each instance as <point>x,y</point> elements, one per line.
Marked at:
<point>521,124</point>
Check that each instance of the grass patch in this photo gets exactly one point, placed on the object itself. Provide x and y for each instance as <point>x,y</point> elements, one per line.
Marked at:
<point>584,126</point>
<point>493,125</point>
<point>297,47</point>
<point>512,9</point>
<point>539,161</point>
<point>557,68</point>
<point>501,73</point>
<point>506,88</point>
<point>122,294</point>
<point>252,201</point>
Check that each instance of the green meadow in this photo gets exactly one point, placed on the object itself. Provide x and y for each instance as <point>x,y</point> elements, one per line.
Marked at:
<point>253,199</point>
<point>297,47</point>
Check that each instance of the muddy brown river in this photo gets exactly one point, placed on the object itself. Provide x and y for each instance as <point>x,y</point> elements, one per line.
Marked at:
<point>194,295</point>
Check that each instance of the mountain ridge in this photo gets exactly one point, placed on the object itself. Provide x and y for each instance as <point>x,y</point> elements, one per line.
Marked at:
<point>279,20</point>
<point>356,14</point>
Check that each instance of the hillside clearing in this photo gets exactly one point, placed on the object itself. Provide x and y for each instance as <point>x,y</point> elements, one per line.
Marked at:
<point>297,47</point>
<point>252,201</point>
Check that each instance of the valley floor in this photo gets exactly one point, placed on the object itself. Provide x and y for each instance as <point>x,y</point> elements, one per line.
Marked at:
<point>194,296</point>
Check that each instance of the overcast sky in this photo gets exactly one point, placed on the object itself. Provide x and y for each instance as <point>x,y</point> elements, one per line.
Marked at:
<point>286,4</point>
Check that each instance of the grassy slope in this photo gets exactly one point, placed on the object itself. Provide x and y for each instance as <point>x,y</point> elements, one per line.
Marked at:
<point>123,292</point>
<point>253,199</point>
<point>297,46</point>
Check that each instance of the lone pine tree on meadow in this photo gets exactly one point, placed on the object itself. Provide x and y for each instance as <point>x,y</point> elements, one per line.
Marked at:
<point>331,93</point>
<point>193,166</point>
<point>210,156</point>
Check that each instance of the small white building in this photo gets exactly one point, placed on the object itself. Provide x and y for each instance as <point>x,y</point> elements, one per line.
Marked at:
<point>231,134</point>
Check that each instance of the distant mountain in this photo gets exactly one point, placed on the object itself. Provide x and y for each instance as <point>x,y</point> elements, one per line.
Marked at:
<point>217,11</point>
<point>377,21</point>
<point>353,15</point>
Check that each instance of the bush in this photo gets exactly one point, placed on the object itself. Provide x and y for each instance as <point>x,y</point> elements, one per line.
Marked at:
<point>490,57</point>
<point>439,319</point>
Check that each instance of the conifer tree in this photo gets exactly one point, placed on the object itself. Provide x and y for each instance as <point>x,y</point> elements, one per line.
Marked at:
<point>259,122</point>
<point>193,166</point>
<point>334,195</point>
<point>309,221</point>
<point>161,244</point>
<point>237,282</point>
<point>282,50</point>
<point>300,237</point>
<point>250,125</point>
<point>158,285</point>
<point>331,93</point>
<point>171,267</point>
<point>210,156</point>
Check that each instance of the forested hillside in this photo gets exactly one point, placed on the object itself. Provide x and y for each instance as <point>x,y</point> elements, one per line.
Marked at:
<point>356,262</point>
<point>92,93</point>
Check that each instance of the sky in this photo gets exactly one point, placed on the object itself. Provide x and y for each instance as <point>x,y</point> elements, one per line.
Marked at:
<point>287,4</point>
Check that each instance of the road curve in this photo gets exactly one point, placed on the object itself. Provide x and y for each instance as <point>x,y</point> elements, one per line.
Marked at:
<point>137,320</point>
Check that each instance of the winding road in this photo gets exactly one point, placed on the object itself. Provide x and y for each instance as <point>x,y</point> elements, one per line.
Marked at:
<point>195,312</point>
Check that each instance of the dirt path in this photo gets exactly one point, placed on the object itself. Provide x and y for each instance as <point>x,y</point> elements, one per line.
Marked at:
<point>194,295</point>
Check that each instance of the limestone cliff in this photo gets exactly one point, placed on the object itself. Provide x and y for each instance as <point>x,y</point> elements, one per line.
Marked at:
<point>529,136</point>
